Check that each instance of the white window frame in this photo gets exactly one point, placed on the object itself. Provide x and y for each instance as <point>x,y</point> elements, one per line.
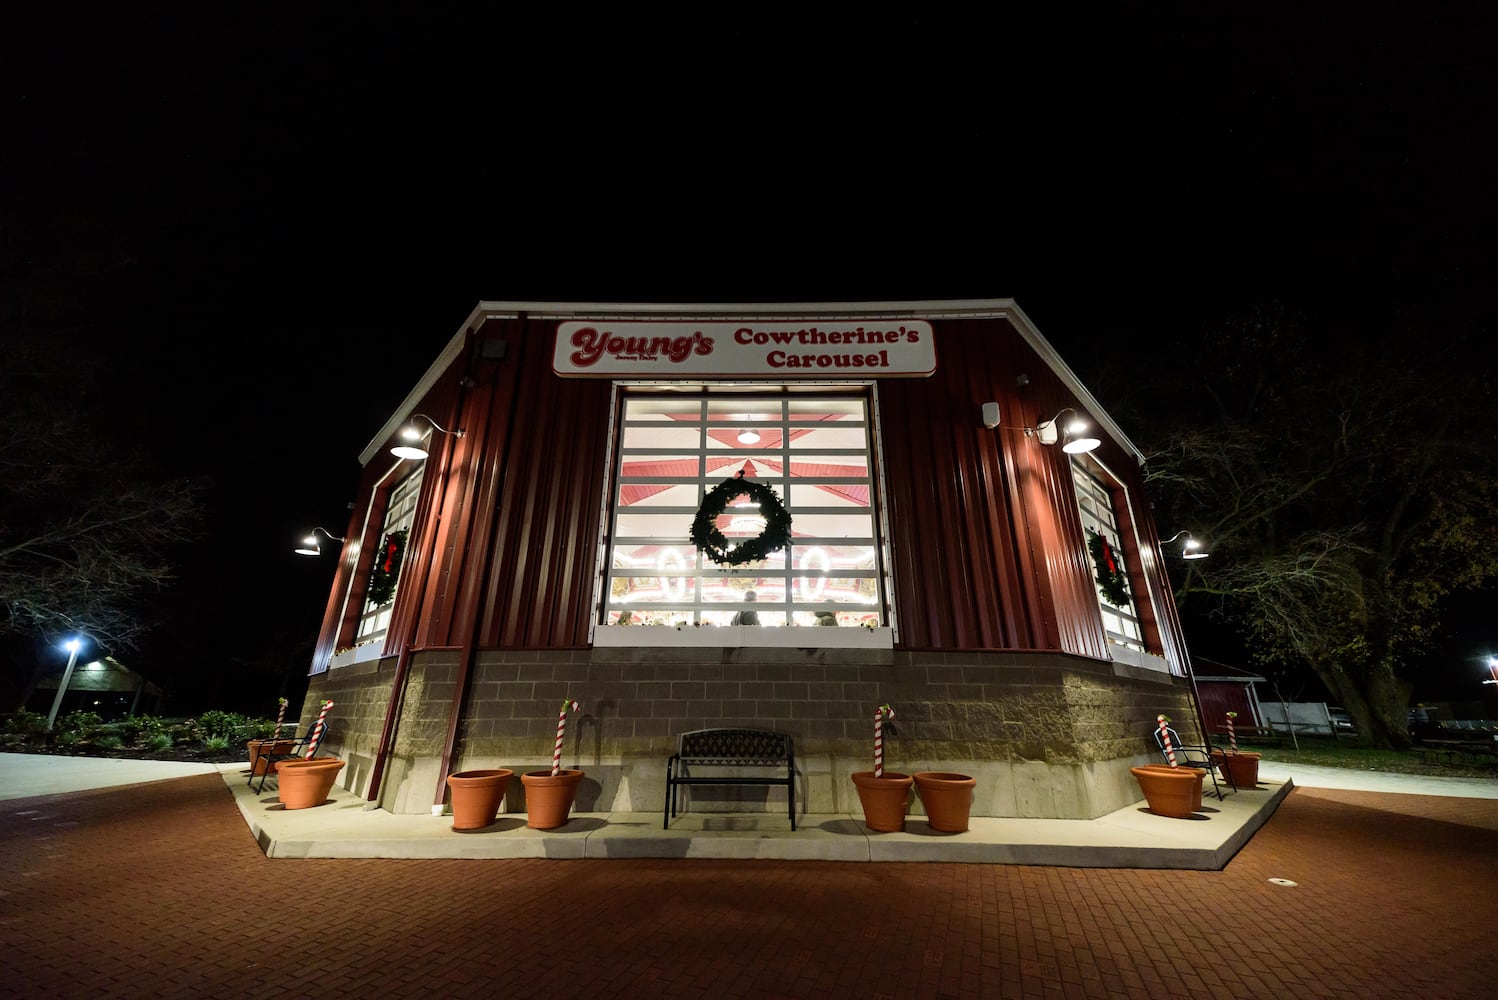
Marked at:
<point>1095,489</point>
<point>860,595</point>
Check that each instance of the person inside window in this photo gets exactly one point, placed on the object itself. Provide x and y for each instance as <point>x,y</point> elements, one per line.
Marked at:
<point>749,616</point>
<point>827,618</point>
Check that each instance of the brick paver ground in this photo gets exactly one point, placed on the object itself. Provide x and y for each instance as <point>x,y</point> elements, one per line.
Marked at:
<point>158,890</point>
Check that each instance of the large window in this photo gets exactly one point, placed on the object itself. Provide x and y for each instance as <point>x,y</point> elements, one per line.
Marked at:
<point>399,512</point>
<point>811,450</point>
<point>1095,497</point>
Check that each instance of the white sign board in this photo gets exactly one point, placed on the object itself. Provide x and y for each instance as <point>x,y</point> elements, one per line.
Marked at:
<point>896,348</point>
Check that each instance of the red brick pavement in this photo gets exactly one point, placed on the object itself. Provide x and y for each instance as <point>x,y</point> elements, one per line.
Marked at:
<point>158,890</point>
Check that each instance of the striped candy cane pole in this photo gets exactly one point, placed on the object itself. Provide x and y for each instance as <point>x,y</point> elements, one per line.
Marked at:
<point>1170,753</point>
<point>280,714</point>
<point>1232,737</point>
<point>556,754</point>
<point>317,730</point>
<point>880,713</point>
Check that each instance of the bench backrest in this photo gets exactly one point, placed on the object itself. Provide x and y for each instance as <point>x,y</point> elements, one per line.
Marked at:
<point>734,746</point>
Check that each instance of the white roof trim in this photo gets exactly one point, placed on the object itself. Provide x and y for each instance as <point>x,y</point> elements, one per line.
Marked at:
<point>939,309</point>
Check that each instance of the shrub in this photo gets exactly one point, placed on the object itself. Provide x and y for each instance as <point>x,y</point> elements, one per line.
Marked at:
<point>29,725</point>
<point>108,741</point>
<point>186,732</point>
<point>264,729</point>
<point>138,729</point>
<point>81,725</point>
<point>214,744</point>
<point>159,741</point>
<point>224,725</point>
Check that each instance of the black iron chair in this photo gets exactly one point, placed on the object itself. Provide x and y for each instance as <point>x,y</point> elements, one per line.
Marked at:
<point>299,748</point>
<point>1192,755</point>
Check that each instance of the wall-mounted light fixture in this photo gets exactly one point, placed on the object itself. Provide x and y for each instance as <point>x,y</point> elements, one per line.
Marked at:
<point>1190,548</point>
<point>990,415</point>
<point>310,546</point>
<point>413,439</point>
<point>1073,435</point>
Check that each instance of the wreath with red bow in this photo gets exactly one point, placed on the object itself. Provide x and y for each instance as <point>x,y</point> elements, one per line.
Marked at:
<point>713,544</point>
<point>387,568</point>
<point>1111,578</point>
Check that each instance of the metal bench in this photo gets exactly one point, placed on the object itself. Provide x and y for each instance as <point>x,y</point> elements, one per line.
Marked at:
<point>702,756</point>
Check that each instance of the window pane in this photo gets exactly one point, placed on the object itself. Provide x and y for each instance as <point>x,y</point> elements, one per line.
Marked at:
<point>1095,500</point>
<point>660,482</point>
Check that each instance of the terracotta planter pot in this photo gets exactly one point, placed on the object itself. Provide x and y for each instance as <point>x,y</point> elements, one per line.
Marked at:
<point>1200,772</point>
<point>1242,767</point>
<point>476,796</point>
<point>1169,791</point>
<point>302,784</point>
<point>548,798</point>
<point>885,799</point>
<point>947,797</point>
<point>260,749</point>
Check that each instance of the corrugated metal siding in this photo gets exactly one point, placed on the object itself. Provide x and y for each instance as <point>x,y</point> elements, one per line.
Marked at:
<point>987,545</point>
<point>554,456</point>
<point>986,539</point>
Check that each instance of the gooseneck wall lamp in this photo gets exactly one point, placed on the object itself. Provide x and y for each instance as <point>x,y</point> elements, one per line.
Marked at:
<point>1190,548</point>
<point>413,439</point>
<point>310,546</point>
<point>1073,435</point>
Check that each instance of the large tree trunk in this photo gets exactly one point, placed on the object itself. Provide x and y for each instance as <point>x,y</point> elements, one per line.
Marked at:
<point>1377,703</point>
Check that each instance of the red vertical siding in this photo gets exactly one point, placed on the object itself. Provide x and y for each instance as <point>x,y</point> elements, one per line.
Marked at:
<point>987,543</point>
<point>987,546</point>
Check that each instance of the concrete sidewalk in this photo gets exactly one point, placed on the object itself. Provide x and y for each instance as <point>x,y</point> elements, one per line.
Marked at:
<point>1132,837</point>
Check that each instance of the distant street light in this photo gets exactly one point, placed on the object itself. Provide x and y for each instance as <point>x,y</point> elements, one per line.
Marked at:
<point>62,689</point>
<point>1492,669</point>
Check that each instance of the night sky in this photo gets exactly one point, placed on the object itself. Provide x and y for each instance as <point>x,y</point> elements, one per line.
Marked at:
<point>272,221</point>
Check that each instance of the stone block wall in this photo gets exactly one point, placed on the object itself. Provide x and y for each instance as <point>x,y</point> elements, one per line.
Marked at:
<point>1048,735</point>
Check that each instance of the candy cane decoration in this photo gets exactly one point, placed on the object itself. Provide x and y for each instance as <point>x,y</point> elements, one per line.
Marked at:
<point>880,714</point>
<point>1232,737</point>
<point>556,754</point>
<point>318,728</point>
<point>280,714</point>
<point>1170,754</point>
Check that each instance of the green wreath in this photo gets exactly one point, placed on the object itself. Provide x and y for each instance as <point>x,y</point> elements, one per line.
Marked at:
<point>387,568</point>
<point>1110,574</point>
<point>715,545</point>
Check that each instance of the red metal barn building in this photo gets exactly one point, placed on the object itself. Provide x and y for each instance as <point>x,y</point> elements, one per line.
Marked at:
<point>941,519</point>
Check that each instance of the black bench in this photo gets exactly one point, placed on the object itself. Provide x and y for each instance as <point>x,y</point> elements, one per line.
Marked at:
<point>736,748</point>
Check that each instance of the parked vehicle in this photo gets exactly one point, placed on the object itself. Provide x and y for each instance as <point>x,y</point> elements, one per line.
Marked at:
<point>1341,721</point>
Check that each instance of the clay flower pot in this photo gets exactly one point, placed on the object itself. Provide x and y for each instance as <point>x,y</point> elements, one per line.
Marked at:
<point>259,750</point>
<point>303,784</point>
<point>885,799</point>
<point>948,798</point>
<point>548,797</point>
<point>476,796</point>
<point>1169,791</point>
<point>1200,773</point>
<point>1242,767</point>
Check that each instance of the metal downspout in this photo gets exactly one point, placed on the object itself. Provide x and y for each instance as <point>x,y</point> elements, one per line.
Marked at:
<point>403,662</point>
<point>470,646</point>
